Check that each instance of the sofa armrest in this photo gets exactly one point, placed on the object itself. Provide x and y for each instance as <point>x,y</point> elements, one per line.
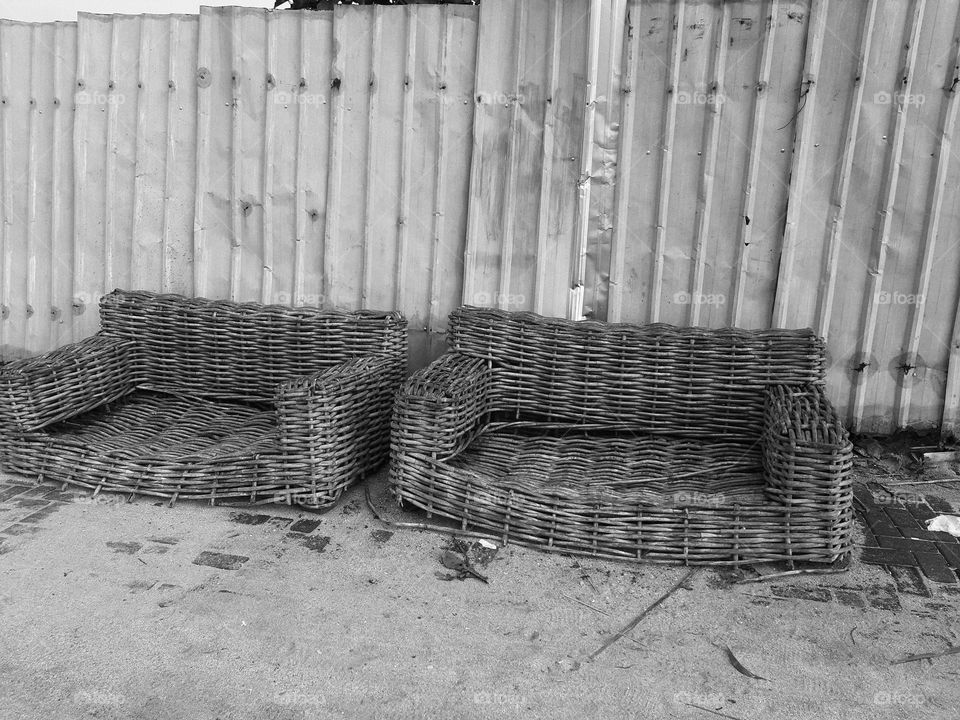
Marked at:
<point>807,453</point>
<point>438,410</point>
<point>334,425</point>
<point>36,392</point>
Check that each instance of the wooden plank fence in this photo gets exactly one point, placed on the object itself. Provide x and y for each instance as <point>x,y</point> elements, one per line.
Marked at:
<point>711,162</point>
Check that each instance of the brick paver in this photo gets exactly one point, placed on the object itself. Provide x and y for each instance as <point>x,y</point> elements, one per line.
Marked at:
<point>895,535</point>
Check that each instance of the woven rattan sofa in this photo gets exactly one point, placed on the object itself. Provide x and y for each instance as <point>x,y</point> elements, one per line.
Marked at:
<point>208,400</point>
<point>655,443</point>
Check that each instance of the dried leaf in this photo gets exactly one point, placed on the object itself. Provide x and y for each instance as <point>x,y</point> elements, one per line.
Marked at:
<point>738,666</point>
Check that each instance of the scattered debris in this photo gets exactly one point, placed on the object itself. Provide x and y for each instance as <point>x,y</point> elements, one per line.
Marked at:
<point>789,573</point>
<point>428,527</point>
<point>477,554</point>
<point>584,575</point>
<point>723,577</point>
<point>951,650</point>
<point>715,712</point>
<point>464,558</point>
<point>738,666</point>
<point>945,523</point>
<point>939,458</point>
<point>951,478</point>
<point>460,564</point>
<point>487,544</point>
<point>636,621</point>
<point>586,605</point>
<point>317,543</point>
<point>245,518</point>
<point>381,536</point>
<point>350,508</point>
<point>910,457</point>
<point>866,446</point>
<point>220,561</point>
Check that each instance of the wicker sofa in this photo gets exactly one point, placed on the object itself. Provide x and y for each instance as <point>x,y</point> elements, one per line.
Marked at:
<point>208,400</point>
<point>653,443</point>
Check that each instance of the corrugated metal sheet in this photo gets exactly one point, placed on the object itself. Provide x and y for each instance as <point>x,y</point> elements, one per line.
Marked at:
<point>135,154</point>
<point>37,70</point>
<point>536,72</point>
<point>784,162</point>
<point>333,158</point>
<point>790,166</point>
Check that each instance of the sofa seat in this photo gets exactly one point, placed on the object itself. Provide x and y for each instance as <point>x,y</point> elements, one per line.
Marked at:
<point>617,468</point>
<point>162,445</point>
<point>650,498</point>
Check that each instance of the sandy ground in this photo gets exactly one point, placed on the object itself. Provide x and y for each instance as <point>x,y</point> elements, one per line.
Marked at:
<point>104,614</point>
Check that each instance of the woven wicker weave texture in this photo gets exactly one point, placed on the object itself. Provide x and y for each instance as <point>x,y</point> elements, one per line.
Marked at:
<point>214,400</point>
<point>654,443</point>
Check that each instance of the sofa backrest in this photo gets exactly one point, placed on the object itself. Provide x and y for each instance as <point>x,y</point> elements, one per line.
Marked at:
<point>226,349</point>
<point>654,378</point>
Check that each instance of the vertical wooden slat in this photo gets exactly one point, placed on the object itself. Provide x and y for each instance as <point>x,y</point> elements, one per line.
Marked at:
<point>313,137</point>
<point>932,223</point>
<point>754,158</point>
<point>344,251</point>
<point>604,175</point>
<point>841,187</point>
<point>406,156</point>
<point>666,163</point>
<point>33,190</point>
<point>166,254</point>
<point>61,251</point>
<point>435,320</point>
<point>550,121</point>
<point>459,73</point>
<point>204,91</point>
<point>182,170</point>
<point>6,203</point>
<point>582,225</point>
<point>624,163</point>
<point>370,182</point>
<point>474,210</point>
<point>805,106</point>
<point>299,198</point>
<point>508,220</point>
<point>141,150</point>
<point>42,256</point>
<point>269,132</point>
<point>709,161</point>
<point>89,250</point>
<point>891,180</point>
<point>110,209</point>
<point>169,164</point>
<point>236,155</point>
<point>331,235</point>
